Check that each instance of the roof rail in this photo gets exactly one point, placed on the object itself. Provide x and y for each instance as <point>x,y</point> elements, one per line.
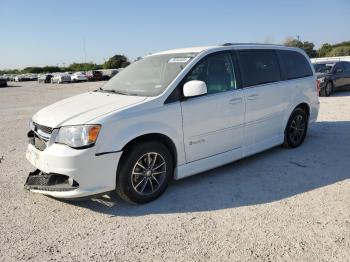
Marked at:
<point>229,44</point>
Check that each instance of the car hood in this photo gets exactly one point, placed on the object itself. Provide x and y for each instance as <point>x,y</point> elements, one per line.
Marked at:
<point>320,75</point>
<point>83,108</point>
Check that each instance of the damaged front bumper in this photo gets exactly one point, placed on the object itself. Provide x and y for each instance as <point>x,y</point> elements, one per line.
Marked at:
<point>64,172</point>
<point>38,180</point>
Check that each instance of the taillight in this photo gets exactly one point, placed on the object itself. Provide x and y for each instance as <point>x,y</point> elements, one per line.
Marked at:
<point>318,88</point>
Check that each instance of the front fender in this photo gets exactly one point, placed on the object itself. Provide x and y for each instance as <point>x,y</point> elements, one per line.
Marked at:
<point>166,121</point>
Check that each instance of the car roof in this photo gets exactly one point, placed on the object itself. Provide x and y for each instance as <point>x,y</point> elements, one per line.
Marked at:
<point>197,49</point>
<point>225,46</point>
<point>326,62</point>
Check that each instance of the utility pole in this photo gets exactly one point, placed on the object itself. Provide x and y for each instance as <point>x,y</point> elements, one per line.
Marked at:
<point>84,49</point>
<point>298,37</point>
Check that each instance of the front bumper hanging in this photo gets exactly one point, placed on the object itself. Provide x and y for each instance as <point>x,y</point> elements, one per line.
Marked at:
<point>38,180</point>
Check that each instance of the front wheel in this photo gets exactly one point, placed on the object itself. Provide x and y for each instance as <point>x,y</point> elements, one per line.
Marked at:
<point>296,129</point>
<point>144,173</point>
<point>328,89</point>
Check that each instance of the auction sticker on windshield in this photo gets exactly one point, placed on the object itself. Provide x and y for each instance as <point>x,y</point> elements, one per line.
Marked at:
<point>179,59</point>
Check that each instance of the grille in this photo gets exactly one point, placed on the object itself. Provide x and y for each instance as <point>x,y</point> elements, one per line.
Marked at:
<point>44,129</point>
<point>49,182</point>
<point>40,180</point>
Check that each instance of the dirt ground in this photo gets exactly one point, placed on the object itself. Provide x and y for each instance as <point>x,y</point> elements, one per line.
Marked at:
<point>284,205</point>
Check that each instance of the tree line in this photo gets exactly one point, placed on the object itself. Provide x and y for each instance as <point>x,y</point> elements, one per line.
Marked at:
<point>115,62</point>
<point>326,50</point>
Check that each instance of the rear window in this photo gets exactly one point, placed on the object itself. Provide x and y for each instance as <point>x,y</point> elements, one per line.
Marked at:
<point>294,64</point>
<point>259,67</point>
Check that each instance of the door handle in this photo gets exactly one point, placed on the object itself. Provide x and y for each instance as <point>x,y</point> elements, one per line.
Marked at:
<point>235,100</point>
<point>253,97</point>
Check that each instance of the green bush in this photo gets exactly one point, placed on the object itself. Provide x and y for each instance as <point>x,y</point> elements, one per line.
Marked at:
<point>115,62</point>
<point>340,51</point>
<point>75,67</point>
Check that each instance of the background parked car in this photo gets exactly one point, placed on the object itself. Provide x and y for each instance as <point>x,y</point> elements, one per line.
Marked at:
<point>332,75</point>
<point>61,78</point>
<point>108,73</point>
<point>6,76</point>
<point>46,78</point>
<point>94,75</point>
<point>21,78</point>
<point>33,77</point>
<point>26,77</point>
<point>78,77</point>
<point>3,82</point>
<point>10,78</point>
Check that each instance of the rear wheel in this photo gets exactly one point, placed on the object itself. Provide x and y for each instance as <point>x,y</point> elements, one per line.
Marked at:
<point>296,128</point>
<point>144,173</point>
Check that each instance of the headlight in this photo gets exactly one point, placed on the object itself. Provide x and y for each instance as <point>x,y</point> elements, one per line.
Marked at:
<point>78,136</point>
<point>321,79</point>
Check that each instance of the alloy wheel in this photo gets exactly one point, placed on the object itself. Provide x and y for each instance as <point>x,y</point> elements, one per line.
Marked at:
<point>297,129</point>
<point>148,173</point>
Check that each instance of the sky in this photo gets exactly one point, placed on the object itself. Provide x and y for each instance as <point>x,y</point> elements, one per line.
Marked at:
<point>45,32</point>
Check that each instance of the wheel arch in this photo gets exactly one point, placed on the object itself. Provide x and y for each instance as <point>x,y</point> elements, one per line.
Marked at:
<point>157,137</point>
<point>303,105</point>
<point>306,108</point>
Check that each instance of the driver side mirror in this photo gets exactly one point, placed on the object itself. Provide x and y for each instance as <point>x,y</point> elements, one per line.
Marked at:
<point>194,88</point>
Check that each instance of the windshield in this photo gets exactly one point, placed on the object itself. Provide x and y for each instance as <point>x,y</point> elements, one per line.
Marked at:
<point>323,68</point>
<point>149,76</point>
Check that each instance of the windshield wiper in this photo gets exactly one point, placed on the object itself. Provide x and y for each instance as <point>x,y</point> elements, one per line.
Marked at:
<point>112,91</point>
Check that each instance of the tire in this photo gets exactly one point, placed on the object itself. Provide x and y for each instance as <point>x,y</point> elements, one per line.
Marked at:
<point>296,129</point>
<point>328,89</point>
<point>144,172</point>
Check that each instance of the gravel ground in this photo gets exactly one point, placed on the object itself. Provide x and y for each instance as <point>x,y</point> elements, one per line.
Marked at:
<point>281,204</point>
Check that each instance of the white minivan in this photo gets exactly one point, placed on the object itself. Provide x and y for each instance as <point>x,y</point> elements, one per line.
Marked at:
<point>171,115</point>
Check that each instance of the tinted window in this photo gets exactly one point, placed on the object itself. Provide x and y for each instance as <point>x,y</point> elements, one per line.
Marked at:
<point>216,71</point>
<point>323,68</point>
<point>294,64</point>
<point>346,66</point>
<point>259,67</point>
<point>338,68</point>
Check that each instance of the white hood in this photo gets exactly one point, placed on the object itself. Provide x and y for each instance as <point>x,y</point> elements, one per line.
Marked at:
<point>83,108</point>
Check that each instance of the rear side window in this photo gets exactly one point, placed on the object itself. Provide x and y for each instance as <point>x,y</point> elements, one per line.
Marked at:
<point>346,66</point>
<point>294,64</point>
<point>259,67</point>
